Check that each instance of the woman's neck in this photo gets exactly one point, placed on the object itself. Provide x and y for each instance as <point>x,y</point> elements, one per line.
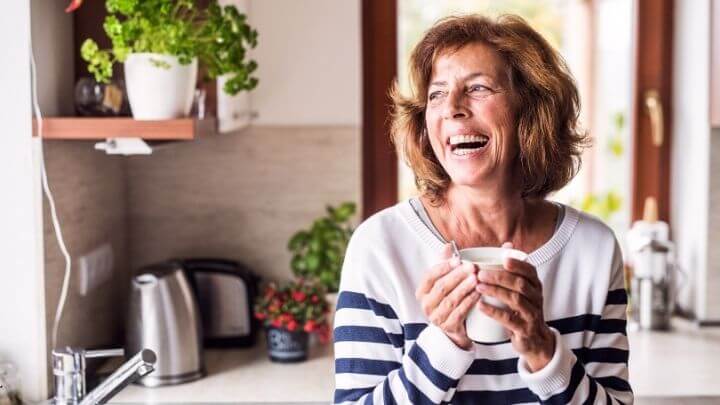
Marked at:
<point>475,217</point>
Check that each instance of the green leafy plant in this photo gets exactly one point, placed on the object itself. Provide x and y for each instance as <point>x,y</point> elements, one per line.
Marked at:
<point>295,305</point>
<point>615,142</point>
<point>318,252</point>
<point>603,205</point>
<point>218,36</point>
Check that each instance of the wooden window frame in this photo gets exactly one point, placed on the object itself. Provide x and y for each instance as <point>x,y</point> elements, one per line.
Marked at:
<point>653,71</point>
<point>379,50</point>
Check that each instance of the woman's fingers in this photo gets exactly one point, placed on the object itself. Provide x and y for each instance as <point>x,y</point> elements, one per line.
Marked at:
<point>522,269</point>
<point>457,317</point>
<point>506,317</point>
<point>446,264</point>
<point>516,302</point>
<point>445,285</point>
<point>441,306</point>
<point>435,273</point>
<point>512,282</point>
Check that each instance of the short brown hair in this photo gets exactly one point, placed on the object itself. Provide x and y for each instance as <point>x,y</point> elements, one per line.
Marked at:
<point>549,138</point>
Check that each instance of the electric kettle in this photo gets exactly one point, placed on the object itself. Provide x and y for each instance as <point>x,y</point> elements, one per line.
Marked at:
<point>163,316</point>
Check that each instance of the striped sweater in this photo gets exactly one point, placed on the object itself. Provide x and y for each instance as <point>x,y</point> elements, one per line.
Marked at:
<point>386,351</point>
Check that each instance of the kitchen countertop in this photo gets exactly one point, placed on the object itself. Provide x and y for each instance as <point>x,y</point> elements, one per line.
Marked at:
<point>682,363</point>
<point>248,375</point>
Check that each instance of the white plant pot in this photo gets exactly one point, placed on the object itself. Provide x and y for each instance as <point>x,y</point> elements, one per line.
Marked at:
<point>159,93</point>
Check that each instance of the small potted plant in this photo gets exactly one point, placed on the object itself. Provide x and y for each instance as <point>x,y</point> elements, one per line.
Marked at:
<point>160,43</point>
<point>290,312</point>
<point>318,252</point>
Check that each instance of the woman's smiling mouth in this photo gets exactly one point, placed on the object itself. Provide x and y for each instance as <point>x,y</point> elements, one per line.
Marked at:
<point>462,145</point>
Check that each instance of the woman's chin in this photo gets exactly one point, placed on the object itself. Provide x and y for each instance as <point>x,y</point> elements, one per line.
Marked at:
<point>468,172</point>
<point>464,179</point>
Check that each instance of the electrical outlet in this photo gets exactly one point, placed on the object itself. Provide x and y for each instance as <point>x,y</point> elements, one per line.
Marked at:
<point>95,268</point>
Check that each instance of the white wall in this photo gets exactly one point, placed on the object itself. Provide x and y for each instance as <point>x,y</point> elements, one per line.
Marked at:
<point>22,308</point>
<point>309,62</point>
<point>691,153</point>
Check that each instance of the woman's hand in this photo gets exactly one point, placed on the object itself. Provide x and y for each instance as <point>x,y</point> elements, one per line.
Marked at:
<point>520,289</point>
<point>447,293</point>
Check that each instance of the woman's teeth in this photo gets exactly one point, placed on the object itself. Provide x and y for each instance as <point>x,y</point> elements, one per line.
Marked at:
<point>467,144</point>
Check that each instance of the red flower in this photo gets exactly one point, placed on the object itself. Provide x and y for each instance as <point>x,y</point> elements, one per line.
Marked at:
<point>74,5</point>
<point>309,326</point>
<point>297,305</point>
<point>323,334</point>
<point>274,305</point>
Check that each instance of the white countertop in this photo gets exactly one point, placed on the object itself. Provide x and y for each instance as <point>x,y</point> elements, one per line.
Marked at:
<point>681,362</point>
<point>248,375</point>
<point>684,362</point>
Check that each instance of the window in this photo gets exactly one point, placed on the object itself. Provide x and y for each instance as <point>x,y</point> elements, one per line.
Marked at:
<point>595,38</point>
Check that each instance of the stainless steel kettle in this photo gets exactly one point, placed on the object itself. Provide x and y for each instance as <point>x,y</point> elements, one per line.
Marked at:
<point>163,316</point>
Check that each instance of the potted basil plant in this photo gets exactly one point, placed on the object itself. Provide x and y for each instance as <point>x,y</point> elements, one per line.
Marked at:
<point>319,251</point>
<point>161,42</point>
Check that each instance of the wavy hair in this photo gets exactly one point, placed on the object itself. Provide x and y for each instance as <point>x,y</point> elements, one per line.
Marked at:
<point>546,121</point>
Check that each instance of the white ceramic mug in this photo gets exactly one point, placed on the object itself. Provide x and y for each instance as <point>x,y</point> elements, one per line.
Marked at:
<point>480,327</point>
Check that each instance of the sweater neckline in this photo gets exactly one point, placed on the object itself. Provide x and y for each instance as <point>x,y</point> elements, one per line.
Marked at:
<point>537,257</point>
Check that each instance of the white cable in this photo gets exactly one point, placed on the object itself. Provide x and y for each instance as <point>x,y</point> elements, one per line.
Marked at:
<point>51,202</point>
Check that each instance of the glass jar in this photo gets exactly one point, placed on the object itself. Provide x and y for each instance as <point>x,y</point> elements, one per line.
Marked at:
<point>100,99</point>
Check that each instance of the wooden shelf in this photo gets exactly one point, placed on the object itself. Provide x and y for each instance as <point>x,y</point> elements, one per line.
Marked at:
<point>93,128</point>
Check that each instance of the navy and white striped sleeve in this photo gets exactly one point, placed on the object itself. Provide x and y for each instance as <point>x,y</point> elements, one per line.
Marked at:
<point>600,374</point>
<point>371,363</point>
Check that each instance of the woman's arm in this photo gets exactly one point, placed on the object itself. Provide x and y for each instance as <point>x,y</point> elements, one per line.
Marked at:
<point>599,373</point>
<point>371,364</point>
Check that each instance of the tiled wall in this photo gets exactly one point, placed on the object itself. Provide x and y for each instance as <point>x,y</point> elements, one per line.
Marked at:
<point>239,196</point>
<point>89,190</point>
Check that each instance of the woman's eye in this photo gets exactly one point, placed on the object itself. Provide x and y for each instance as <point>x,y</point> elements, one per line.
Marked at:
<point>434,95</point>
<point>478,87</point>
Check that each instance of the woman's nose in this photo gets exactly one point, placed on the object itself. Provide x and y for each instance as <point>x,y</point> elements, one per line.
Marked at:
<point>454,107</point>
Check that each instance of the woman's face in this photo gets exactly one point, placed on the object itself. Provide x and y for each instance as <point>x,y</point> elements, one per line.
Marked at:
<point>469,116</point>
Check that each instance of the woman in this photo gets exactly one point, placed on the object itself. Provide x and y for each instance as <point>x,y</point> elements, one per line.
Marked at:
<point>489,131</point>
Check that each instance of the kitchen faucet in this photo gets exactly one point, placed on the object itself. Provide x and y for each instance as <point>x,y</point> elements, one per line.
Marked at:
<point>69,372</point>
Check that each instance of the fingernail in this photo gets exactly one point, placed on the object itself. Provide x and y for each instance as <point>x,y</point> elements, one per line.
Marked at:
<point>454,261</point>
<point>469,267</point>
